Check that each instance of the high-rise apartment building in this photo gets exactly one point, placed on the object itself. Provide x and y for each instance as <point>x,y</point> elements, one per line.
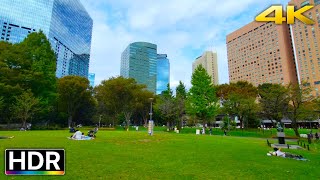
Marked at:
<point>91,78</point>
<point>139,61</point>
<point>306,43</point>
<point>209,62</point>
<point>163,72</point>
<point>261,53</point>
<point>66,24</point>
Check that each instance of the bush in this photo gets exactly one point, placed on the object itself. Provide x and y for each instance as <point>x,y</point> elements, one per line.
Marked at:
<point>46,127</point>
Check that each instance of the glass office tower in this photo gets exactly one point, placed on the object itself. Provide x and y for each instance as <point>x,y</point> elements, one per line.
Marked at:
<point>139,61</point>
<point>66,24</point>
<point>91,78</point>
<point>163,72</point>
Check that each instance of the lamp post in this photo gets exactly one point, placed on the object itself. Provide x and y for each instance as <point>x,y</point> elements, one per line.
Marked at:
<point>150,126</point>
<point>151,99</point>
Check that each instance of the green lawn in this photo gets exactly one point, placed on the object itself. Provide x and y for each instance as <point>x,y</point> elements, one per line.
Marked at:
<point>135,155</point>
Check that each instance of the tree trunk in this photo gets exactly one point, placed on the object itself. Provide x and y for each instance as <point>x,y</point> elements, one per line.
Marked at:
<point>24,121</point>
<point>168,126</point>
<point>295,128</point>
<point>69,121</point>
<point>128,123</point>
<point>145,122</point>
<point>127,115</point>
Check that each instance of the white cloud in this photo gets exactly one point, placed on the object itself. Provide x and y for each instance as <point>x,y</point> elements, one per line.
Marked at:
<point>183,29</point>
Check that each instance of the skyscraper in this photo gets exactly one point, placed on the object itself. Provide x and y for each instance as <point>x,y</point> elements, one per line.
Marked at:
<point>66,24</point>
<point>139,61</point>
<point>306,42</point>
<point>163,72</point>
<point>209,62</point>
<point>261,53</point>
<point>91,78</point>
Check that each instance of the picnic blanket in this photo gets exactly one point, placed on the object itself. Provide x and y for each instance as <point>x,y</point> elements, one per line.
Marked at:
<point>6,137</point>
<point>85,138</point>
<point>296,157</point>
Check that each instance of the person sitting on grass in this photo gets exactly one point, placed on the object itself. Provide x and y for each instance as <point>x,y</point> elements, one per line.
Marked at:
<point>72,130</point>
<point>77,135</point>
<point>92,133</point>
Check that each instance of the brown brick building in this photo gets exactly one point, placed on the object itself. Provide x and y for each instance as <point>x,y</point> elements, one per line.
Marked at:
<point>261,53</point>
<point>266,53</point>
<point>306,43</point>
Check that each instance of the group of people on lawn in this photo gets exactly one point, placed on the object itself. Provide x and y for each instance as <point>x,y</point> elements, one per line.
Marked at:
<point>78,135</point>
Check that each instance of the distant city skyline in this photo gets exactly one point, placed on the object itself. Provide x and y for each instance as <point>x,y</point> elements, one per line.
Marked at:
<point>181,30</point>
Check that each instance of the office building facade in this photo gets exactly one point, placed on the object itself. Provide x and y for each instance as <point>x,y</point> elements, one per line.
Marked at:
<point>306,43</point>
<point>91,78</point>
<point>66,24</point>
<point>209,62</point>
<point>163,72</point>
<point>139,61</point>
<point>261,53</point>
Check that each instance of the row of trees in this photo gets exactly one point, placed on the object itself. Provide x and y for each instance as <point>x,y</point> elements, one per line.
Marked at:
<point>30,91</point>
<point>250,104</point>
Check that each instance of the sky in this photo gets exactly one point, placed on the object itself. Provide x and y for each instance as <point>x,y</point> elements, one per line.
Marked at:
<point>182,29</point>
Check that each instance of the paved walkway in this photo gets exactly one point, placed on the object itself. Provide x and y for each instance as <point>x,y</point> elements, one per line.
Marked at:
<point>286,146</point>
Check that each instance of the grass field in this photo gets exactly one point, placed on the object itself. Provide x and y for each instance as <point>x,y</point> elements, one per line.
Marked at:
<point>135,155</point>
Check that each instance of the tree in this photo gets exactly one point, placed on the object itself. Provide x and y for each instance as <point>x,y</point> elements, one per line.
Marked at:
<point>201,99</point>
<point>143,105</point>
<point>31,65</point>
<point>25,106</point>
<point>242,106</point>
<point>301,105</point>
<point>181,95</point>
<point>120,95</point>
<point>73,92</point>
<point>274,101</point>
<point>239,99</point>
<point>166,106</point>
<point>1,103</point>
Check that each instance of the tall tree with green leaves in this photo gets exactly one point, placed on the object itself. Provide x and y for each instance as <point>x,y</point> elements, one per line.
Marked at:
<point>120,96</point>
<point>301,105</point>
<point>239,99</point>
<point>25,106</point>
<point>201,100</point>
<point>30,64</point>
<point>145,98</point>
<point>166,106</point>
<point>73,92</point>
<point>1,102</point>
<point>181,95</point>
<point>41,78</point>
<point>274,100</point>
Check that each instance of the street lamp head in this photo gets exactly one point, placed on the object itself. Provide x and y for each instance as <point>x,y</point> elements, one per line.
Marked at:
<point>151,99</point>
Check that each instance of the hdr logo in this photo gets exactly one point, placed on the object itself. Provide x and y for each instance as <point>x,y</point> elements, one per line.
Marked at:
<point>35,162</point>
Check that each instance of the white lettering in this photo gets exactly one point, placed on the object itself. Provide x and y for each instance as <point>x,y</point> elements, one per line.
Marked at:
<point>54,162</point>
<point>30,166</point>
<point>22,160</point>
